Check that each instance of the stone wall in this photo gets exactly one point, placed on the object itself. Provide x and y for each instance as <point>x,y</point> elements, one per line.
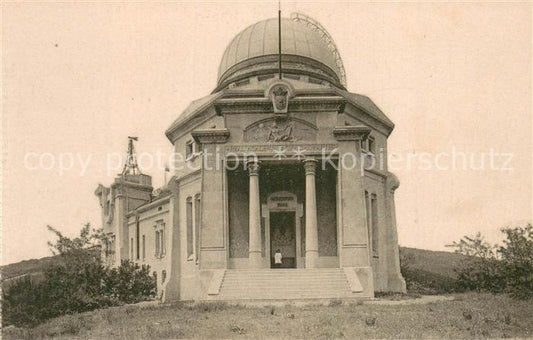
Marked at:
<point>238,213</point>
<point>327,211</point>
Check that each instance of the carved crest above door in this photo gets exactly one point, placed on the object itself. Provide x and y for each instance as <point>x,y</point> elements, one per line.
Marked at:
<point>280,99</point>
<point>279,93</point>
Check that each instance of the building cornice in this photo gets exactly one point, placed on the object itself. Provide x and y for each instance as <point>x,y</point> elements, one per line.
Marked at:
<point>211,136</point>
<point>351,133</point>
<point>150,205</point>
<point>308,103</point>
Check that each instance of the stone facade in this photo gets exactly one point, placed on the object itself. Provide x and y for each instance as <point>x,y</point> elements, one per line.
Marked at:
<point>269,165</point>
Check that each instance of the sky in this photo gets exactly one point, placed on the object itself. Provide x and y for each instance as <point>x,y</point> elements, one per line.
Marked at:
<point>78,78</point>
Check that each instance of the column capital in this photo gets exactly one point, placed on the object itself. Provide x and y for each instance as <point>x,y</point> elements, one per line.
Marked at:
<point>253,166</point>
<point>310,166</point>
<point>351,132</point>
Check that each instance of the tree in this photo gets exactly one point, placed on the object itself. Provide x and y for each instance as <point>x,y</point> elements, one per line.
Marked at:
<point>495,268</point>
<point>517,260</point>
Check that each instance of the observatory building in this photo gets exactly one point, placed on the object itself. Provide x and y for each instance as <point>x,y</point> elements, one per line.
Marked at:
<point>283,191</point>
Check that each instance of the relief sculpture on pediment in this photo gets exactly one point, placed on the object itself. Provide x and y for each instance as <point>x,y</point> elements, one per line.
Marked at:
<point>277,130</point>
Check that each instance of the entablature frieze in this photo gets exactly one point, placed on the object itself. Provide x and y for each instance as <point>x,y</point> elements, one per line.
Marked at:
<point>280,151</point>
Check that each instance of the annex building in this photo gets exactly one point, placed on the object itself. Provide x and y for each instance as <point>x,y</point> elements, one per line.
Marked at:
<point>279,158</point>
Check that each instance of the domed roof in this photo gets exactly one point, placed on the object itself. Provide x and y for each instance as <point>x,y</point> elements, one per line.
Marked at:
<point>298,38</point>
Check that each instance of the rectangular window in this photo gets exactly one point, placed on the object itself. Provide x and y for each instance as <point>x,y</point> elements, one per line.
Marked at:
<point>368,213</point>
<point>160,239</point>
<point>131,249</point>
<point>371,145</point>
<point>162,235</point>
<point>188,213</point>
<point>375,230</point>
<point>197,225</point>
<point>144,247</point>
<point>111,250</point>
<point>157,243</point>
<point>137,239</point>
<point>364,145</point>
<point>189,149</point>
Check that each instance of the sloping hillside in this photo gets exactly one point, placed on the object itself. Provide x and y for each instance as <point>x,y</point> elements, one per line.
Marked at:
<point>33,268</point>
<point>437,262</point>
<point>27,267</point>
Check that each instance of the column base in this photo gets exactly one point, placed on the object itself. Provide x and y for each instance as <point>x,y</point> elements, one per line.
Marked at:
<point>311,258</point>
<point>255,260</point>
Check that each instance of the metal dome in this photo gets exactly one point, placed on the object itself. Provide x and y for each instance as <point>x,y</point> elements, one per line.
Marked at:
<point>300,36</point>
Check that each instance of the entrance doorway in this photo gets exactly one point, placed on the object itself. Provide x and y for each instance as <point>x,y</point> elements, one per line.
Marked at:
<point>283,238</point>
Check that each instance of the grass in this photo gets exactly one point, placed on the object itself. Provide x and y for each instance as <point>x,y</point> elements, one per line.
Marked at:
<point>468,316</point>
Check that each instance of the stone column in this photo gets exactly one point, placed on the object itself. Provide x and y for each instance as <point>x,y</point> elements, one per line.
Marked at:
<point>311,232</point>
<point>254,247</point>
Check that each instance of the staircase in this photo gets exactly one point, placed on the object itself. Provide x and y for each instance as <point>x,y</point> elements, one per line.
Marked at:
<point>264,284</point>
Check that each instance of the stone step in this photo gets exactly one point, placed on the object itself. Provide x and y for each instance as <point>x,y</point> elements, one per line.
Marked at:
<point>274,272</point>
<point>287,280</point>
<point>283,293</point>
<point>284,271</point>
<point>281,277</point>
<point>285,284</point>
<point>276,286</point>
<point>282,296</point>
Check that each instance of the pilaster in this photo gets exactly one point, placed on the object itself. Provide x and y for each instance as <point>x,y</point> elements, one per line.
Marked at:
<point>354,251</point>
<point>213,250</point>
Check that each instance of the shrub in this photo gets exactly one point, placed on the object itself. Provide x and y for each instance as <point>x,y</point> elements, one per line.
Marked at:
<point>517,261</point>
<point>130,282</point>
<point>79,283</point>
<point>496,269</point>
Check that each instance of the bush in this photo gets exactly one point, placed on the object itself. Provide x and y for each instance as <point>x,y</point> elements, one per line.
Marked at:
<point>66,291</point>
<point>79,283</point>
<point>496,269</point>
<point>517,261</point>
<point>130,282</point>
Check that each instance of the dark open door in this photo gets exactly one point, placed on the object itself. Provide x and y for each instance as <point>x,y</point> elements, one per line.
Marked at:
<point>283,237</point>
